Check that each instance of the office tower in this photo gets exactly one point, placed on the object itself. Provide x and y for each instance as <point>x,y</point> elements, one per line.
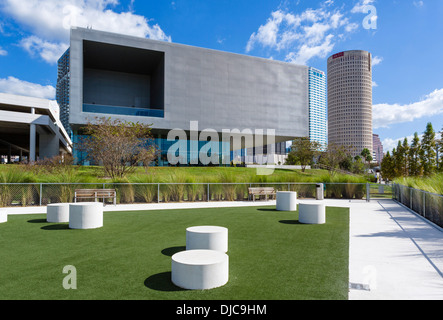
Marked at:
<point>378,148</point>
<point>318,125</point>
<point>62,94</point>
<point>350,100</point>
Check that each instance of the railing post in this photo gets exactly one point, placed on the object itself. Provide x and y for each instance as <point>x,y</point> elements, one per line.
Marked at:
<point>41,194</point>
<point>410,198</point>
<point>208,192</point>
<point>368,199</point>
<point>158,193</point>
<point>424,204</point>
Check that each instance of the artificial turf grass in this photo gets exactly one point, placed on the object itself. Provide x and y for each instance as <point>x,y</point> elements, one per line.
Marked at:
<point>271,256</point>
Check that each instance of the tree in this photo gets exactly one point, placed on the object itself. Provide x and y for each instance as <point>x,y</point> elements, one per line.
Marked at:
<point>303,152</point>
<point>387,167</point>
<point>366,155</point>
<point>119,146</point>
<point>427,152</point>
<point>405,155</point>
<point>358,167</point>
<point>333,156</point>
<point>415,168</point>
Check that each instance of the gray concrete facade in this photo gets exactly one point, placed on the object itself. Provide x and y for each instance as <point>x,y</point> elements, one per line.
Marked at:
<point>220,90</point>
<point>31,128</point>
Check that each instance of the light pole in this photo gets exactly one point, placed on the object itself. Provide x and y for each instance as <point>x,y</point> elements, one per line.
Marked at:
<point>438,144</point>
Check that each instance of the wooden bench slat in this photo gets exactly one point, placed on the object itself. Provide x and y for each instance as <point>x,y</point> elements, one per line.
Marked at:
<point>261,191</point>
<point>95,193</point>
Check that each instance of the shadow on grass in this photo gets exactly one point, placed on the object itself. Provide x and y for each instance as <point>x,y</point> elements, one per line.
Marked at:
<point>161,282</point>
<point>56,227</point>
<point>173,250</point>
<point>38,221</point>
<point>290,222</point>
<point>268,209</point>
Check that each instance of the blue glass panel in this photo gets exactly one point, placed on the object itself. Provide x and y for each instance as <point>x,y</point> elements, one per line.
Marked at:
<point>140,112</point>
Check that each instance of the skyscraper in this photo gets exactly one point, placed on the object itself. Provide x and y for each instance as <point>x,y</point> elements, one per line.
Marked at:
<point>378,148</point>
<point>350,100</point>
<point>62,94</point>
<point>318,126</point>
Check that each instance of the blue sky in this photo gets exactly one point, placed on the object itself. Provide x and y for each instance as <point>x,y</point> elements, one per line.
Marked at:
<point>405,38</point>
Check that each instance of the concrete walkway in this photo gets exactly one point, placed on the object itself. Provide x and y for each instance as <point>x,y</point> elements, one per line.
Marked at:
<point>394,254</point>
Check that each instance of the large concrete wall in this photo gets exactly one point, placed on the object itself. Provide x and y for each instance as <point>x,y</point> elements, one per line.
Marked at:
<point>220,90</point>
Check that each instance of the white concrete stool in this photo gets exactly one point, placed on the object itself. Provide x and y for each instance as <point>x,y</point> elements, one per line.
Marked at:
<point>286,201</point>
<point>200,269</point>
<point>57,212</point>
<point>86,215</point>
<point>207,238</point>
<point>3,216</point>
<point>311,213</point>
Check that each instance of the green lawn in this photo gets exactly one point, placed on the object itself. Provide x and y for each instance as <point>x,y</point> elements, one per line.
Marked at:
<point>271,256</point>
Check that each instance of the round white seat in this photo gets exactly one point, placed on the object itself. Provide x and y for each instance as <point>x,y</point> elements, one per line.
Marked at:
<point>207,238</point>
<point>311,213</point>
<point>57,212</point>
<point>286,201</point>
<point>3,216</point>
<point>86,215</point>
<point>200,269</point>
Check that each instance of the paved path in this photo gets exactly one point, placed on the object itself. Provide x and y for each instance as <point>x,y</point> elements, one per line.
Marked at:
<point>393,255</point>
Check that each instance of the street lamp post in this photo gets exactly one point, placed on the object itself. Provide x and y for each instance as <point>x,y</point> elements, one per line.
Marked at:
<point>438,144</point>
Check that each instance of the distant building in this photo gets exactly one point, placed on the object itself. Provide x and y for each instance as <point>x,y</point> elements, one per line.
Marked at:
<point>318,123</point>
<point>378,148</point>
<point>350,100</point>
<point>62,93</point>
<point>30,129</point>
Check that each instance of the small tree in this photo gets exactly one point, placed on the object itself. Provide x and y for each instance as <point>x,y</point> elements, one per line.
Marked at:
<point>358,167</point>
<point>119,146</point>
<point>303,152</point>
<point>366,155</point>
<point>387,167</point>
<point>414,159</point>
<point>333,156</point>
<point>428,154</point>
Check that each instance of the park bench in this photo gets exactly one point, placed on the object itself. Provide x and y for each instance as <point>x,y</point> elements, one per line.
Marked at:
<point>262,191</point>
<point>95,194</point>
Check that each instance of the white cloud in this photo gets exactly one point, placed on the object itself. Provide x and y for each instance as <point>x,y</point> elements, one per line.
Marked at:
<point>306,52</point>
<point>418,4</point>
<point>389,143</point>
<point>49,22</point>
<point>360,7</point>
<point>303,36</point>
<point>385,115</point>
<point>16,86</point>
<point>48,51</point>
<point>376,60</point>
<point>351,27</point>
<point>3,52</point>
<point>374,84</point>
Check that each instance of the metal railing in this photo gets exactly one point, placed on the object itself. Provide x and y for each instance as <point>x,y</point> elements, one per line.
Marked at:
<point>427,204</point>
<point>41,194</point>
